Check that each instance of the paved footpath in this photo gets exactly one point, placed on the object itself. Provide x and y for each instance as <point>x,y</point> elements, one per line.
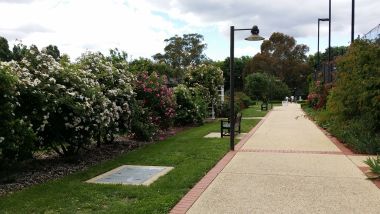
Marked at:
<point>289,166</point>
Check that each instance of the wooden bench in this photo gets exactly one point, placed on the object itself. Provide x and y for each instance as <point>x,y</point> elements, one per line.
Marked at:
<point>225,125</point>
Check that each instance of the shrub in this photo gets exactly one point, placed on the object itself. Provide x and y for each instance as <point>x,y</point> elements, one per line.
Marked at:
<point>208,76</point>
<point>374,164</point>
<point>318,92</point>
<point>16,135</point>
<point>225,110</point>
<point>142,125</point>
<point>243,100</point>
<point>115,84</point>
<point>354,101</point>
<point>156,103</point>
<point>64,104</point>
<point>191,105</point>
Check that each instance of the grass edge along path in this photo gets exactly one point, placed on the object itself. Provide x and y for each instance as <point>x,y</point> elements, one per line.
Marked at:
<point>191,155</point>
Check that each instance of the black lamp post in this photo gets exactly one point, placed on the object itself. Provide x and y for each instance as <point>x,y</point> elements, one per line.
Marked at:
<point>329,67</point>
<point>353,21</point>
<point>254,37</point>
<point>318,57</point>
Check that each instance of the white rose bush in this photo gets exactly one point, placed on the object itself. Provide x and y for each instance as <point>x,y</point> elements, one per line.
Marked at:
<point>61,106</point>
<point>115,83</point>
<point>16,135</point>
<point>53,104</point>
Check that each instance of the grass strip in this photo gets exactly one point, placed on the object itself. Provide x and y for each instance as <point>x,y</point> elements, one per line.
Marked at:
<point>191,155</point>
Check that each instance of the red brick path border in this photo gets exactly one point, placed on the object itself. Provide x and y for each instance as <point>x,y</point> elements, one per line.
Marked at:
<point>188,200</point>
<point>333,139</point>
<point>341,147</point>
<point>364,170</point>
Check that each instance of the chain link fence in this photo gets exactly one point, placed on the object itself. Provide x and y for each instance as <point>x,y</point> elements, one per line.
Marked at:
<point>373,34</point>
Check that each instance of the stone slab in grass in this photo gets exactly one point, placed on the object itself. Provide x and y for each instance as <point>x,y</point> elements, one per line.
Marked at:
<point>131,175</point>
<point>217,135</point>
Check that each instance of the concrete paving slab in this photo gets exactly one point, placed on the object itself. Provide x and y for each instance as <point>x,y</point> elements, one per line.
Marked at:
<point>250,193</point>
<point>289,130</point>
<point>326,165</point>
<point>290,142</point>
<point>289,166</point>
<point>131,175</point>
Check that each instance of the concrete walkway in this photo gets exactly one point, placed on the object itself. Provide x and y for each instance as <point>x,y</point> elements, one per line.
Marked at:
<point>289,166</point>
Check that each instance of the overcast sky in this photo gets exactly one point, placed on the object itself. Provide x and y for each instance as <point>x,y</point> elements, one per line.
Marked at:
<point>140,26</point>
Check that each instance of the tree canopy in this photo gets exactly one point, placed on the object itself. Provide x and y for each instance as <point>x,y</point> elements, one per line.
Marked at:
<point>239,70</point>
<point>265,87</point>
<point>282,57</point>
<point>335,53</point>
<point>53,51</point>
<point>5,53</point>
<point>181,52</point>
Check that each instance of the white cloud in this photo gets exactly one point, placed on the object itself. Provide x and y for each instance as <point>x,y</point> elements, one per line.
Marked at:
<point>247,50</point>
<point>134,25</point>
<point>75,26</point>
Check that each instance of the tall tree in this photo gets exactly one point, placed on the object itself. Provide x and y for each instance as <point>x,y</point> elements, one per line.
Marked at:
<point>5,53</point>
<point>144,64</point>
<point>53,51</point>
<point>335,53</point>
<point>239,70</point>
<point>183,51</point>
<point>19,51</point>
<point>282,57</point>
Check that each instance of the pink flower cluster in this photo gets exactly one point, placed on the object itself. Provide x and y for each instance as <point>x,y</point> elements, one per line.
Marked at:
<point>156,97</point>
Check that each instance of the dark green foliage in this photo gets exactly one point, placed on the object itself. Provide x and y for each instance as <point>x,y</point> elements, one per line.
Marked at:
<point>147,65</point>
<point>142,127</point>
<point>53,51</point>
<point>242,101</point>
<point>323,57</point>
<point>240,67</point>
<point>374,164</point>
<point>181,52</point>
<point>5,53</point>
<point>19,51</point>
<point>353,106</point>
<point>283,58</point>
<point>191,104</point>
<point>16,136</point>
<point>265,87</point>
<point>354,102</point>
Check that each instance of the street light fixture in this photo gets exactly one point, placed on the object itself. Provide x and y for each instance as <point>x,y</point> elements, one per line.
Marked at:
<point>318,58</point>
<point>254,37</point>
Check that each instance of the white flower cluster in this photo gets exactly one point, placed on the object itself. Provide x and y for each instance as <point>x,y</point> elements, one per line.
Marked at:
<point>75,102</point>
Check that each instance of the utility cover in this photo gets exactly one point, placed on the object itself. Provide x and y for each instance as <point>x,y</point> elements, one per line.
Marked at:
<point>131,175</point>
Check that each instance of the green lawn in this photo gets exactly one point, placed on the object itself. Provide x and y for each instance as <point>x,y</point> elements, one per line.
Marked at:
<point>254,111</point>
<point>191,155</point>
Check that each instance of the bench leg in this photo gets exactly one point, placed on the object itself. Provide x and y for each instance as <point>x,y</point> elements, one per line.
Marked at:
<point>221,129</point>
